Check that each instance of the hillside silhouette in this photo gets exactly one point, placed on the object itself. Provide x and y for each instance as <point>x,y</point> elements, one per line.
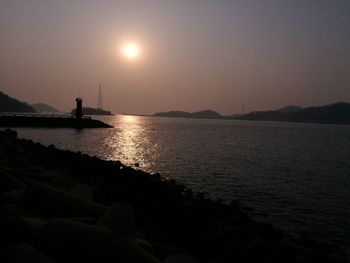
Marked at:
<point>42,107</point>
<point>9,104</point>
<point>333,113</point>
<point>205,114</point>
<point>338,113</point>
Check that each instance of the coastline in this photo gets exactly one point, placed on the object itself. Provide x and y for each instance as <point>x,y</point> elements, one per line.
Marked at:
<point>46,191</point>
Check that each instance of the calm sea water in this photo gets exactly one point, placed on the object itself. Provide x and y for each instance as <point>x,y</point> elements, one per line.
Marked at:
<point>298,174</point>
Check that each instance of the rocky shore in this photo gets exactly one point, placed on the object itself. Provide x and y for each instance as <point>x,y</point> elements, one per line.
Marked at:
<point>60,206</point>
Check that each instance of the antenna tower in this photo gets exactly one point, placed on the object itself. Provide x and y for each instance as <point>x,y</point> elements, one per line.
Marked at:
<point>99,100</point>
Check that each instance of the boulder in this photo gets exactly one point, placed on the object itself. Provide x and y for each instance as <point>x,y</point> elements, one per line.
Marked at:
<point>19,229</point>
<point>119,218</point>
<point>8,183</point>
<point>24,253</point>
<point>12,210</point>
<point>13,196</point>
<point>179,258</point>
<point>49,202</point>
<point>84,191</point>
<point>68,241</point>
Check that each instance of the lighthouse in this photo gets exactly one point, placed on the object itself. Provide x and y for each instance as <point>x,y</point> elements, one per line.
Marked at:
<point>79,109</point>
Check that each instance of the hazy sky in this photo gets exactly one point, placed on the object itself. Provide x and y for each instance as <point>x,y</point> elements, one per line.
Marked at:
<point>195,54</point>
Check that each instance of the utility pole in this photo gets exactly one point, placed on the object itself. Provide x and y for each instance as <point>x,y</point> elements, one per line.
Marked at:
<point>99,100</point>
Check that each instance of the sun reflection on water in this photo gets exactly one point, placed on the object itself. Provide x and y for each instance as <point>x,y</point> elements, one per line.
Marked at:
<point>129,118</point>
<point>130,142</point>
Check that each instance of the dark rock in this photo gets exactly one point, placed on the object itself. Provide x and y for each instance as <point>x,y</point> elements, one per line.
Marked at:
<point>68,241</point>
<point>64,182</point>
<point>8,182</point>
<point>179,258</point>
<point>10,134</point>
<point>13,196</point>
<point>120,219</point>
<point>83,191</point>
<point>12,210</point>
<point>49,202</point>
<point>19,229</point>
<point>24,253</point>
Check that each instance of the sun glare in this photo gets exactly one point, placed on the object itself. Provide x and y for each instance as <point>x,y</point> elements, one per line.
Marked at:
<point>129,119</point>
<point>131,51</point>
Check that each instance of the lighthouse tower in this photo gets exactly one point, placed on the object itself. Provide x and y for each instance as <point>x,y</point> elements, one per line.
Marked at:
<point>79,109</point>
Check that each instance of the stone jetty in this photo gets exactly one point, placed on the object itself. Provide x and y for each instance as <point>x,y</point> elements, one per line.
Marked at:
<point>49,121</point>
<point>78,121</point>
<point>61,206</point>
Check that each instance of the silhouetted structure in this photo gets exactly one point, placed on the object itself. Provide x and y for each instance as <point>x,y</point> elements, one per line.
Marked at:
<point>79,109</point>
<point>9,119</point>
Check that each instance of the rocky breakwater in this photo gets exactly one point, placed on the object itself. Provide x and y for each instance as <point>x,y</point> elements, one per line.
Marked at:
<point>60,206</point>
<point>50,121</point>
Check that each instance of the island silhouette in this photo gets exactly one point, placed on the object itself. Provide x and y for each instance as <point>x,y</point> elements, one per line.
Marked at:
<point>337,113</point>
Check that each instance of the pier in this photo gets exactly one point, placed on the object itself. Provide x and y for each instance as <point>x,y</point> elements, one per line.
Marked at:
<point>48,120</point>
<point>13,119</point>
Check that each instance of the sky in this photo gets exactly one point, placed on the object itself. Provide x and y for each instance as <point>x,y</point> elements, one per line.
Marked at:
<point>194,54</point>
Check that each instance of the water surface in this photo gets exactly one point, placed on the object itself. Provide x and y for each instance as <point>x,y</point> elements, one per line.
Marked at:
<point>298,174</point>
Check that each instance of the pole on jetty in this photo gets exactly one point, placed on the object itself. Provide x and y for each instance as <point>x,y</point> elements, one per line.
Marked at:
<point>99,100</point>
<point>79,109</point>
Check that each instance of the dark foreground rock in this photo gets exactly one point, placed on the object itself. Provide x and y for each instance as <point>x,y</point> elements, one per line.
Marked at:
<point>60,206</point>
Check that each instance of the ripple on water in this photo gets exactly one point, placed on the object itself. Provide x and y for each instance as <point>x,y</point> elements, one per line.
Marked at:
<point>297,173</point>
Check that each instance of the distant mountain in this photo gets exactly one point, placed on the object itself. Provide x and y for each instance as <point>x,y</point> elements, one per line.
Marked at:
<point>93,111</point>
<point>290,108</point>
<point>232,116</point>
<point>42,107</point>
<point>9,104</point>
<point>179,114</point>
<point>205,114</point>
<point>333,113</point>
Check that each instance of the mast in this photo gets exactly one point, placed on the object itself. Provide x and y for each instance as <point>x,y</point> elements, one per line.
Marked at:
<point>99,100</point>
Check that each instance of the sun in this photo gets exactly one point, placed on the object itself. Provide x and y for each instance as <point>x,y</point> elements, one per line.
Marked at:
<point>131,51</point>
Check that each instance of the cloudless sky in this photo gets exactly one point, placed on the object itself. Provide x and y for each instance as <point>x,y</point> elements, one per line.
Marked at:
<point>195,54</point>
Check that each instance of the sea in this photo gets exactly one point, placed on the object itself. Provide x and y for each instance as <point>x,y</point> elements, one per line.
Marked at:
<point>294,175</point>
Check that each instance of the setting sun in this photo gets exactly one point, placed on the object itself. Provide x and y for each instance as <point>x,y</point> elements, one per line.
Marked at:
<point>131,51</point>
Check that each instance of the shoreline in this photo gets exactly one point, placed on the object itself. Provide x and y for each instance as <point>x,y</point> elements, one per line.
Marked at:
<point>126,208</point>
